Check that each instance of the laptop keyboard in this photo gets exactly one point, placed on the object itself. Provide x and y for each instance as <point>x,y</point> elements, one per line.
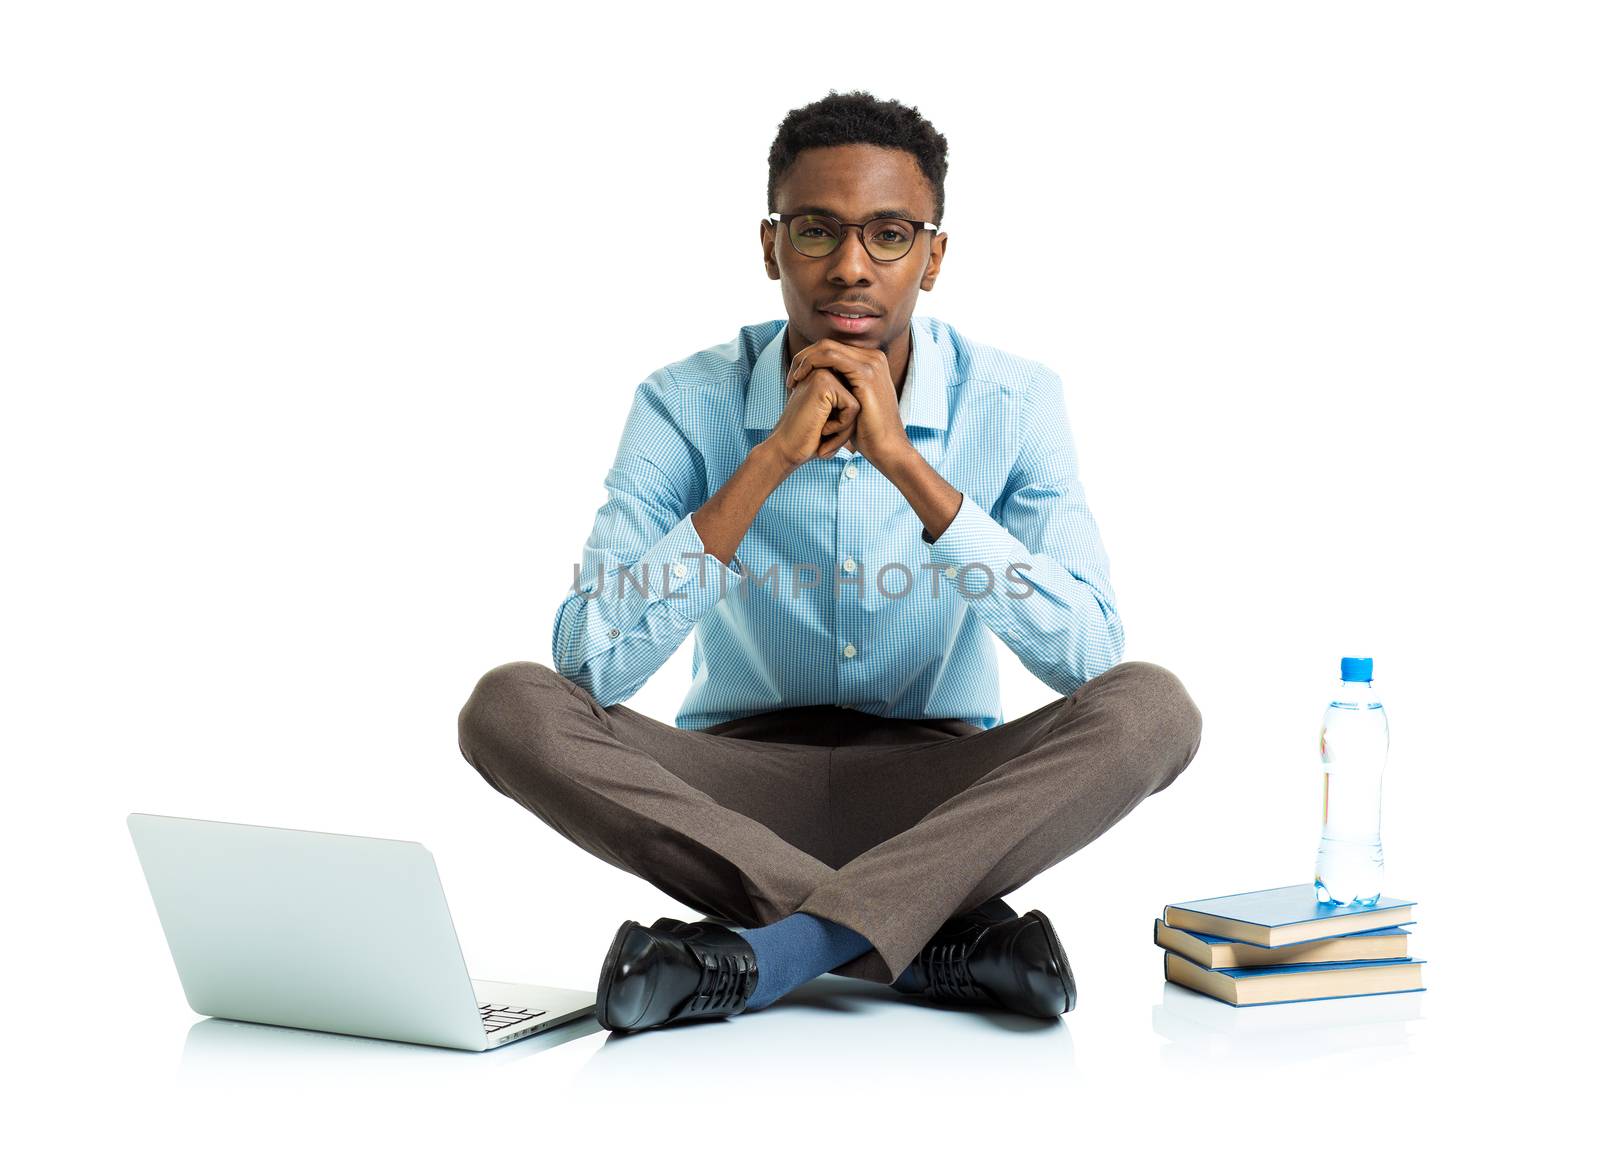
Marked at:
<point>498,1016</point>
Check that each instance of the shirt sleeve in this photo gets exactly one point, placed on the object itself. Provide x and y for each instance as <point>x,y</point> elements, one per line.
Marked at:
<point>1049,596</point>
<point>645,579</point>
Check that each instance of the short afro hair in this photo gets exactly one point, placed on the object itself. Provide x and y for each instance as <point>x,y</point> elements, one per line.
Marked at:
<point>858,118</point>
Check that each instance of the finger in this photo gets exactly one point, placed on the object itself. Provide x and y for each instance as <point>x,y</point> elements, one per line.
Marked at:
<point>841,428</point>
<point>841,418</point>
<point>813,372</point>
<point>824,382</point>
<point>829,354</point>
<point>831,445</point>
<point>817,356</point>
<point>842,386</point>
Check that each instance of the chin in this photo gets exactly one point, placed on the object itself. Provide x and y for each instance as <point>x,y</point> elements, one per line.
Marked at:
<point>861,339</point>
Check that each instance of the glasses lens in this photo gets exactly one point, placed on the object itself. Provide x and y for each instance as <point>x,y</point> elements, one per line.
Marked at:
<point>814,235</point>
<point>888,238</point>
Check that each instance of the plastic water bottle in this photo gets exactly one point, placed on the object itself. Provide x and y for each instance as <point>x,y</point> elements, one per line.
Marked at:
<point>1355,745</point>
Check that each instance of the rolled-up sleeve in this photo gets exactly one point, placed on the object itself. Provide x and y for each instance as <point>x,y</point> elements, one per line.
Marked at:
<point>1036,571</point>
<point>645,578</point>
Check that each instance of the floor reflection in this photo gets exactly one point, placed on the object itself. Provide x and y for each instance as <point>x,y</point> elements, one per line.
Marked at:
<point>846,1027</point>
<point>1201,1031</point>
<point>227,1047</point>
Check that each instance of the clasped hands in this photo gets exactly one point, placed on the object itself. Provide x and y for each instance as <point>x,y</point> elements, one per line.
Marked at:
<point>839,395</point>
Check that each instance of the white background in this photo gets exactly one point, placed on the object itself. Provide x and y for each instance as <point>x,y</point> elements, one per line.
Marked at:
<point>320,323</point>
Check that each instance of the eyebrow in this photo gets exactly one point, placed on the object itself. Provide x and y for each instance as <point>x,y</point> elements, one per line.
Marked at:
<point>895,213</point>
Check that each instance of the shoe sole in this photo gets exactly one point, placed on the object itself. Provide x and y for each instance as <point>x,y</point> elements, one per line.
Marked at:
<point>1069,985</point>
<point>602,994</point>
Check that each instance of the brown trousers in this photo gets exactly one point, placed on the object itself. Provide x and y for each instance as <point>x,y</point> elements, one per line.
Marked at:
<point>887,826</point>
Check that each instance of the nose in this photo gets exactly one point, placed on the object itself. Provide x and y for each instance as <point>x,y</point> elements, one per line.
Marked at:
<point>852,263</point>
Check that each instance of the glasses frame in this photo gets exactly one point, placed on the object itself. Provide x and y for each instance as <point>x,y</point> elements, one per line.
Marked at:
<point>781,219</point>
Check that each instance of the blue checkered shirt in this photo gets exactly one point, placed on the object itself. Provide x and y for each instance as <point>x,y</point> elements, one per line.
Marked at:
<point>837,595</point>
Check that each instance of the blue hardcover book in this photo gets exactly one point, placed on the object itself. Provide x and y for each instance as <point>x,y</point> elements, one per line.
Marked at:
<point>1287,983</point>
<point>1273,917</point>
<point>1217,952</point>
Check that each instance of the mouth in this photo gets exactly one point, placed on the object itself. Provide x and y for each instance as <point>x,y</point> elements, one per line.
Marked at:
<point>845,320</point>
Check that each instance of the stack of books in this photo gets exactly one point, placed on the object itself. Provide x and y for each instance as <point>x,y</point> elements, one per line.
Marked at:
<point>1280,945</point>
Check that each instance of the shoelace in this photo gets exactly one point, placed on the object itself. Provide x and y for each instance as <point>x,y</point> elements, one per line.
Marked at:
<point>948,974</point>
<point>725,979</point>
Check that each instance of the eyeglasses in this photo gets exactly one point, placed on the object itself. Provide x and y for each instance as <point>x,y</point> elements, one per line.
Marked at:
<point>887,238</point>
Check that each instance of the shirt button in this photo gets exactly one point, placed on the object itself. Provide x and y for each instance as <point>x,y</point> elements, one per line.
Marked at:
<point>849,564</point>
<point>850,471</point>
<point>849,650</point>
<point>950,571</point>
<point>615,633</point>
<point>678,569</point>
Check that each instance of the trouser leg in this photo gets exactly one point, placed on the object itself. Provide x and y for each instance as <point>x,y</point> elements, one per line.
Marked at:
<point>729,827</point>
<point>946,825</point>
<point>887,837</point>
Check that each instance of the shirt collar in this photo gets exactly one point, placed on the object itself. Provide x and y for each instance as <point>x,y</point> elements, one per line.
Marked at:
<point>924,400</point>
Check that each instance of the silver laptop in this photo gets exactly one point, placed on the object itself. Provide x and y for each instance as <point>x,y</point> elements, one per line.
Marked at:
<point>333,933</point>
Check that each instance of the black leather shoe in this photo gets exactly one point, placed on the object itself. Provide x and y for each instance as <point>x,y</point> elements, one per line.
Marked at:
<point>670,923</point>
<point>654,976</point>
<point>914,981</point>
<point>976,958</point>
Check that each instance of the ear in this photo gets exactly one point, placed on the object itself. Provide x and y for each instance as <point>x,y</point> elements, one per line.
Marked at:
<point>935,261</point>
<point>769,256</point>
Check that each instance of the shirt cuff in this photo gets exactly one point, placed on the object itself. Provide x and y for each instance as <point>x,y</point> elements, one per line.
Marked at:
<point>682,574</point>
<point>974,537</point>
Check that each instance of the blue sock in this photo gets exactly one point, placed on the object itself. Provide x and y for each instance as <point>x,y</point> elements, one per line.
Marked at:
<point>798,948</point>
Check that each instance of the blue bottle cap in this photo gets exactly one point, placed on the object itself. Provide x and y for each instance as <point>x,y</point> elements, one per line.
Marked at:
<point>1356,669</point>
